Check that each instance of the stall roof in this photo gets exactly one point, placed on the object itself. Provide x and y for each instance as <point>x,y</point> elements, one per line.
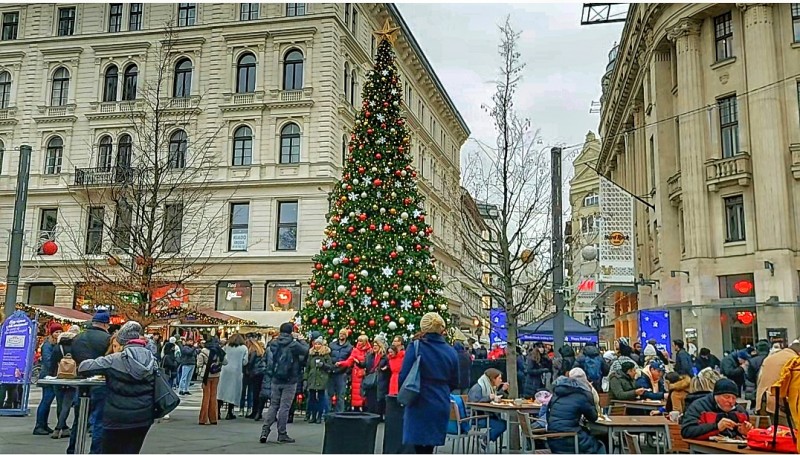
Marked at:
<point>264,318</point>
<point>63,313</point>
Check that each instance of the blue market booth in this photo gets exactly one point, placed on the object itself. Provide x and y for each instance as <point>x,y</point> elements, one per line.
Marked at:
<point>542,330</point>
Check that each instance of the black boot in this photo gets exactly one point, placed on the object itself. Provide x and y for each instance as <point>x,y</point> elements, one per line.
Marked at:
<point>230,415</point>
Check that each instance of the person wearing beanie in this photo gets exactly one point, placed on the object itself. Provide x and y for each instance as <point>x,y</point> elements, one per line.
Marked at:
<point>716,414</point>
<point>316,376</point>
<point>426,418</point>
<point>130,380</point>
<point>622,383</point>
<point>41,428</point>
<point>289,352</point>
<point>574,399</point>
<point>341,349</point>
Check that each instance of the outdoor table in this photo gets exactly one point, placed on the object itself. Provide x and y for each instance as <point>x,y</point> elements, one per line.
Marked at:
<point>84,387</point>
<point>614,425</point>
<point>697,446</point>
<point>509,411</point>
<point>645,405</point>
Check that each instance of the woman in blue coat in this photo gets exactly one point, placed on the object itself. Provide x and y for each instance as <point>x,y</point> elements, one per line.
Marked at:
<point>425,420</point>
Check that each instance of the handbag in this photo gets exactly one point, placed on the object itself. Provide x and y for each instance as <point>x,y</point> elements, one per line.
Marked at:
<point>777,438</point>
<point>67,367</point>
<point>410,389</point>
<point>165,400</point>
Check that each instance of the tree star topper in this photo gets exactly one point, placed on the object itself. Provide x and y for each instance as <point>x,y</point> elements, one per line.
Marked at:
<point>388,33</point>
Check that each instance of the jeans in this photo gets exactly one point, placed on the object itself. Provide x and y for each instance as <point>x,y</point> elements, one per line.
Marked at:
<point>337,383</point>
<point>176,378</point>
<point>129,440</point>
<point>497,427</point>
<point>43,411</point>
<point>96,405</point>
<point>186,376</point>
<point>280,403</point>
<point>316,404</point>
<point>67,400</point>
<point>246,400</point>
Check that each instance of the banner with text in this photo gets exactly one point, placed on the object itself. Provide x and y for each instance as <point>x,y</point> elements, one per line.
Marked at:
<point>498,332</point>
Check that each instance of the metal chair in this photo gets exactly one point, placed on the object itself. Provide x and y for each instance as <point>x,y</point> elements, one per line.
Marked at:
<point>469,438</point>
<point>631,443</point>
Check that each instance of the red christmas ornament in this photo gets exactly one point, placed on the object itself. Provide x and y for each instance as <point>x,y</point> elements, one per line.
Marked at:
<point>413,229</point>
<point>353,293</point>
<point>393,303</point>
<point>351,276</point>
<point>336,276</point>
<point>371,323</point>
<point>378,156</point>
<point>361,170</point>
<point>422,217</point>
<point>387,318</point>
<point>387,228</point>
<point>414,174</point>
<point>367,113</point>
<point>357,259</point>
<point>330,332</point>
<point>369,130</point>
<point>407,201</point>
<point>334,245</point>
<point>353,322</point>
<point>377,182</point>
<point>312,285</point>
<point>351,229</point>
<point>324,321</point>
<point>49,248</point>
<point>318,266</point>
<point>400,149</point>
<point>385,104</point>
<point>397,173</point>
<point>314,321</point>
<point>416,304</point>
<point>372,227</point>
<point>368,290</point>
<point>395,286</point>
<point>349,187</point>
<point>399,272</point>
<point>362,217</point>
<point>393,255</point>
<point>340,302</point>
<point>346,261</point>
<point>419,247</point>
<point>374,302</point>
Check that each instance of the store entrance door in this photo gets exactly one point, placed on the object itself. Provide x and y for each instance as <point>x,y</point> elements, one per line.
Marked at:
<point>739,327</point>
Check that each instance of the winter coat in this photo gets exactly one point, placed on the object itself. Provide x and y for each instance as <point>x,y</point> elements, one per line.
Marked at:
<point>62,348</point>
<point>374,365</point>
<point>591,353</point>
<point>318,368</point>
<point>188,355</point>
<point>90,344</point>
<point>572,400</point>
<point>339,353</point>
<point>47,358</point>
<point>299,350</point>
<point>425,420</point>
<point>357,361</point>
<point>130,382</point>
<point>732,370</point>
<point>395,365</point>
<point>692,397</point>
<point>533,372</point>
<point>645,381</point>
<point>711,362</point>
<point>266,383</point>
<point>701,417</point>
<point>621,387</point>
<point>497,353</point>
<point>616,365</point>
<point>229,389</point>
<point>464,368</point>
<point>754,365</point>
<point>678,392</point>
<point>169,363</point>
<point>565,361</point>
<point>683,363</point>
<point>770,374</point>
<point>205,359</point>
<point>789,384</point>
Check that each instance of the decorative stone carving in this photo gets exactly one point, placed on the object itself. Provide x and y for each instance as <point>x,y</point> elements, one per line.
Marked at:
<point>723,78</point>
<point>685,27</point>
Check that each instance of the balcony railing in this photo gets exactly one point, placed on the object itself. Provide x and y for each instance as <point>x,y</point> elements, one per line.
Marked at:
<point>184,103</point>
<point>674,188</point>
<point>735,170</point>
<point>102,176</point>
<point>57,111</point>
<point>291,95</point>
<point>8,113</point>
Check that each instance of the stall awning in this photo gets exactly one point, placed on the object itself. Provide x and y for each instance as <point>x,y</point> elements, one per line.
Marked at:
<point>542,330</point>
<point>263,318</point>
<point>67,314</point>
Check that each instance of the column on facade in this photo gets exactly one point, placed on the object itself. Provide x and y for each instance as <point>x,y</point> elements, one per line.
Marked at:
<point>692,121</point>
<point>768,150</point>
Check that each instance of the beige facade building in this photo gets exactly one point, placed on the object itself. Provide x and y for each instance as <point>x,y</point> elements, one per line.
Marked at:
<point>700,118</point>
<point>278,84</point>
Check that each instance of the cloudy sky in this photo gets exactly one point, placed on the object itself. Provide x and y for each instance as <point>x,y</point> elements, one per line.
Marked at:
<point>565,62</point>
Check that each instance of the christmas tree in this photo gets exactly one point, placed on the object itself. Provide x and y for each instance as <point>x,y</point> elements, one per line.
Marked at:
<point>375,272</point>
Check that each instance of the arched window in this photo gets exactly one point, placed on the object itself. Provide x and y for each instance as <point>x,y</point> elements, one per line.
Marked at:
<point>243,146</point>
<point>177,150</point>
<point>60,90</point>
<point>124,151</point>
<point>104,155</point>
<point>293,70</point>
<point>290,144</point>
<point>55,153</point>
<point>5,89</point>
<point>246,74</point>
<point>110,85</point>
<point>129,86</point>
<point>353,88</point>
<point>183,79</point>
<point>591,200</point>
<point>346,80</point>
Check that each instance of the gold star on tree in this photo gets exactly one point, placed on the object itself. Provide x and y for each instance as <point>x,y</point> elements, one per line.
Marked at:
<point>388,33</point>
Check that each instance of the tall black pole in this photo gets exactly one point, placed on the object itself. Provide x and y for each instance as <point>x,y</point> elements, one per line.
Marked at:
<point>557,249</point>
<point>18,229</point>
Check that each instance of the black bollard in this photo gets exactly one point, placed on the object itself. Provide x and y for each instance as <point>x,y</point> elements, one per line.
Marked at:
<point>350,432</point>
<point>393,430</point>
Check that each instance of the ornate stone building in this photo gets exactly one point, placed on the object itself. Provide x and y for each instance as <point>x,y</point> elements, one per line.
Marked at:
<point>700,119</point>
<point>277,84</point>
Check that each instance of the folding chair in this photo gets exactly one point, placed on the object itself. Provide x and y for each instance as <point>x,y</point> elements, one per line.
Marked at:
<point>631,443</point>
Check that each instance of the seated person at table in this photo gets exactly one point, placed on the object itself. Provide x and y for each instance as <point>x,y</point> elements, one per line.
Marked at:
<point>652,378</point>
<point>716,414</point>
<point>490,387</point>
<point>572,401</point>
<point>678,386</point>
<point>701,386</point>
<point>622,384</point>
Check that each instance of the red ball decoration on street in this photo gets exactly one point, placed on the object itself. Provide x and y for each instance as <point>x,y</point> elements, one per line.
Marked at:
<point>371,323</point>
<point>374,303</point>
<point>377,182</point>
<point>49,248</point>
<point>393,255</point>
<point>334,245</point>
<point>397,173</point>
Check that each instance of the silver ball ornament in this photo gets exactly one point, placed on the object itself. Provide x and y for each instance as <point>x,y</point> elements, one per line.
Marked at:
<point>407,288</point>
<point>340,289</point>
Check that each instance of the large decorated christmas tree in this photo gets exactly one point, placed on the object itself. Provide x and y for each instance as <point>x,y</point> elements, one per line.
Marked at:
<point>375,272</point>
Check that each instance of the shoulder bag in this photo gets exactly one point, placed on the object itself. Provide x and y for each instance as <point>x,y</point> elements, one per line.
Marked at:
<point>410,389</point>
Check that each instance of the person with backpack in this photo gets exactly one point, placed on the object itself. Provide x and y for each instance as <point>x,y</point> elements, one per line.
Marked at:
<point>210,362</point>
<point>255,372</point>
<point>289,353</point>
<point>63,352</point>
<point>593,365</point>
<point>169,363</point>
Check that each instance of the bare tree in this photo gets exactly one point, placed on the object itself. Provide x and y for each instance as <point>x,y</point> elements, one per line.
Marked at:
<point>166,213</point>
<point>510,183</point>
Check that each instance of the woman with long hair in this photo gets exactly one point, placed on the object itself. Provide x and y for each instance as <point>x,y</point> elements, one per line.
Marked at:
<point>377,363</point>
<point>255,373</point>
<point>210,361</point>
<point>537,364</point>
<point>230,378</point>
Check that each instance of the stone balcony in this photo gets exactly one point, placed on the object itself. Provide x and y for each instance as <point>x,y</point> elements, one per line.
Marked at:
<point>115,109</point>
<point>56,114</point>
<point>8,115</point>
<point>734,170</point>
<point>675,188</point>
<point>291,98</point>
<point>243,101</point>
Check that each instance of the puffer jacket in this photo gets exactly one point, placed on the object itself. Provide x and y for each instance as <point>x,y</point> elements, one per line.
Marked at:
<point>590,353</point>
<point>701,417</point>
<point>789,384</point>
<point>572,401</point>
<point>130,381</point>
<point>534,371</point>
<point>754,365</point>
<point>357,361</point>
<point>266,383</point>
<point>678,391</point>
<point>395,365</point>
<point>621,387</point>
<point>340,352</point>
<point>318,368</point>
<point>90,344</point>
<point>299,350</point>
<point>47,358</point>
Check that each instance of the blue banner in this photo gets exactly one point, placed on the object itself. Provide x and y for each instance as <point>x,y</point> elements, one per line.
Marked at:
<point>498,333</point>
<point>654,324</point>
<point>568,338</point>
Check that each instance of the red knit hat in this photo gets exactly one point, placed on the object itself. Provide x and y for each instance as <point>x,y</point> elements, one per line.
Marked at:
<point>53,327</point>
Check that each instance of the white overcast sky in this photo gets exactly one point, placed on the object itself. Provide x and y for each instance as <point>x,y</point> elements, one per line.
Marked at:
<point>565,62</point>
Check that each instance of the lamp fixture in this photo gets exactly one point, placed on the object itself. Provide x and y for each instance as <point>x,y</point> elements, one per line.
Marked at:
<point>770,266</point>
<point>674,273</point>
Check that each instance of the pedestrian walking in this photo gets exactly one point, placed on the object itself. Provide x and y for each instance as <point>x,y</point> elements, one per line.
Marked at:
<point>230,379</point>
<point>210,360</point>
<point>41,427</point>
<point>255,372</point>
<point>289,354</point>
<point>64,349</point>
<point>337,382</point>
<point>169,363</point>
<point>316,376</point>
<point>130,378</point>
<point>188,364</point>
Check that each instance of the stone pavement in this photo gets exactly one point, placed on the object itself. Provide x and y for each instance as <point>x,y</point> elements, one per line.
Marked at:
<point>179,434</point>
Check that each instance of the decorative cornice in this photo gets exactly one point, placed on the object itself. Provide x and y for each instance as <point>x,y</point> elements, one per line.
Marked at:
<point>745,6</point>
<point>121,48</point>
<point>12,55</point>
<point>246,36</point>
<point>686,26</point>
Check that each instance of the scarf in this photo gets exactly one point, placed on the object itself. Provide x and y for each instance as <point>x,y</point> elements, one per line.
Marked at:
<point>487,389</point>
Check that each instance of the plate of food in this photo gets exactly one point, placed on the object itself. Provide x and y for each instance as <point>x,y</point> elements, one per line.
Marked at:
<point>726,440</point>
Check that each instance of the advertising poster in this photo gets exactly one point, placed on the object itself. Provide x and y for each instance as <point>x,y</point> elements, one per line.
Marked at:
<point>17,337</point>
<point>654,324</point>
<point>498,332</point>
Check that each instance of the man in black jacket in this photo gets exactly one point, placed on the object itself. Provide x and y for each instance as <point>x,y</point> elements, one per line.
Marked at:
<point>683,361</point>
<point>337,381</point>
<point>716,414</point>
<point>188,363</point>
<point>734,366</point>
<point>705,359</point>
<point>92,344</point>
<point>289,354</point>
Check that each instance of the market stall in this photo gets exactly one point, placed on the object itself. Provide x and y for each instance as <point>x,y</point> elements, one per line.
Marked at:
<point>542,330</point>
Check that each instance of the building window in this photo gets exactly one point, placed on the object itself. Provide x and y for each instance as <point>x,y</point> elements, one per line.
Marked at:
<point>295,9</point>
<point>186,14</point>
<point>129,84</point>
<point>110,85</point>
<point>246,74</point>
<point>588,224</point>
<point>344,150</point>
<point>796,21</point>
<point>42,294</point>
<point>346,14</point>
<point>372,48</point>
<point>293,70</point>
<point>290,144</point>
<point>591,200</point>
<point>5,89</point>
<point>66,21</point>
<point>10,26</point>
<point>124,152</point>
<point>115,18</point>
<point>122,225</point>
<point>243,146</point>
<point>287,225</point>
<point>354,23</point>
<point>347,81</point>
<point>729,126</point>
<point>178,144</point>
<point>733,286</point>
<point>104,156</point>
<point>240,220</point>
<point>734,219</point>
<point>234,295</point>
<point>94,230</point>
<point>353,85</point>
<point>284,297</point>
<point>173,228</point>
<point>723,36</point>
<point>182,88</point>
<point>55,152</point>
<point>48,219</point>
<point>135,17</point>
<point>60,90</point>
<point>2,155</point>
<point>248,11</point>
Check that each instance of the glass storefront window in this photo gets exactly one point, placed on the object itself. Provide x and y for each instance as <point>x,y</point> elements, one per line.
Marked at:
<point>234,295</point>
<point>735,286</point>
<point>283,296</point>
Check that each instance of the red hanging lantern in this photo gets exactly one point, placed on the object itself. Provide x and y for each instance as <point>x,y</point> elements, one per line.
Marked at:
<point>745,317</point>
<point>743,286</point>
<point>49,248</point>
